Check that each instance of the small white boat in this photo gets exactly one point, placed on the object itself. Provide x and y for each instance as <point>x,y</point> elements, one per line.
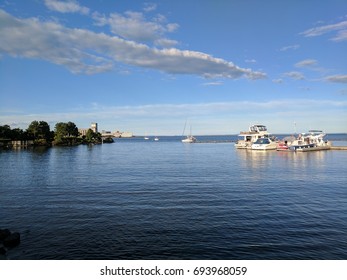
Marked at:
<point>264,144</point>
<point>156,139</point>
<point>189,139</point>
<point>247,138</point>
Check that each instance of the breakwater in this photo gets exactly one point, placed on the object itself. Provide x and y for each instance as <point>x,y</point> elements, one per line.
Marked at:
<point>339,148</point>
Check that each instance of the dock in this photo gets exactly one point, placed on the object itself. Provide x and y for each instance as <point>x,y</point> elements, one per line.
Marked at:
<point>339,148</point>
<point>213,141</point>
<point>333,148</point>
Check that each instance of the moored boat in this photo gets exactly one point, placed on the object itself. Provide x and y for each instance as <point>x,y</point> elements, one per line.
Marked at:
<point>264,143</point>
<point>247,138</point>
<point>189,139</point>
<point>285,143</point>
<point>306,142</point>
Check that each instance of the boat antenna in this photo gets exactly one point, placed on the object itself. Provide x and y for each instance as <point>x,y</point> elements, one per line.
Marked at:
<point>294,127</point>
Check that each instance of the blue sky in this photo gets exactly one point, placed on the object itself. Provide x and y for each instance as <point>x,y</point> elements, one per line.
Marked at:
<point>148,66</point>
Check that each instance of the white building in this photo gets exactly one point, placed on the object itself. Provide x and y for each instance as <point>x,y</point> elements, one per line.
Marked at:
<point>94,127</point>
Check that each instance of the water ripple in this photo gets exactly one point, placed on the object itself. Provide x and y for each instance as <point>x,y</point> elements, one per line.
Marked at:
<point>139,200</point>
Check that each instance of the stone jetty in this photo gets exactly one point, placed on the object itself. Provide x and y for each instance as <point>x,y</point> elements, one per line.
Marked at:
<point>339,148</point>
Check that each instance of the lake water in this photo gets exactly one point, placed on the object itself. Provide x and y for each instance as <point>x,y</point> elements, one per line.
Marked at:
<point>137,199</point>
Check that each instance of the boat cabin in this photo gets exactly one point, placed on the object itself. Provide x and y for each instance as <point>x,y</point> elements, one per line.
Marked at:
<point>257,128</point>
<point>262,141</point>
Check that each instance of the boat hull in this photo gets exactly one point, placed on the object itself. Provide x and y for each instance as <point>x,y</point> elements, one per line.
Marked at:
<point>263,147</point>
<point>264,144</point>
<point>188,141</point>
<point>311,149</point>
<point>283,147</point>
<point>308,148</point>
<point>243,145</point>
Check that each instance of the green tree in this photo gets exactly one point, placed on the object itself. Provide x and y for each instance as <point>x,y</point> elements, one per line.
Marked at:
<point>92,137</point>
<point>5,132</point>
<point>65,133</point>
<point>40,132</point>
<point>72,129</point>
<point>60,132</point>
<point>18,134</point>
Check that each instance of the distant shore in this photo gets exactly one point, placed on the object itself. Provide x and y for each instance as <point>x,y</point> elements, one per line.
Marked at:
<point>38,134</point>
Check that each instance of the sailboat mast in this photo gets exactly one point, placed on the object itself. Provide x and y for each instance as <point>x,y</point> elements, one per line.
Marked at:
<point>184,129</point>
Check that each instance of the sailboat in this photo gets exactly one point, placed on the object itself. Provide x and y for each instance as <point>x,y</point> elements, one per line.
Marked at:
<point>189,138</point>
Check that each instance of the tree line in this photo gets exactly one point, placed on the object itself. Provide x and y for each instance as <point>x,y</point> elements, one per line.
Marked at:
<point>39,132</point>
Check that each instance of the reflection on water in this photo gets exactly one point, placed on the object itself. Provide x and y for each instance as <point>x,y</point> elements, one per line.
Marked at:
<point>166,200</point>
<point>254,159</point>
<point>298,160</point>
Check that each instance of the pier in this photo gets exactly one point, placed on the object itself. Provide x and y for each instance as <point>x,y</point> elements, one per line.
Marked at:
<point>339,148</point>
<point>334,148</point>
<point>213,141</point>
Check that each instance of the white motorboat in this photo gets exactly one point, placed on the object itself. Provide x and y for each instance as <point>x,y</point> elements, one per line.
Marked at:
<point>264,143</point>
<point>247,138</point>
<point>306,142</point>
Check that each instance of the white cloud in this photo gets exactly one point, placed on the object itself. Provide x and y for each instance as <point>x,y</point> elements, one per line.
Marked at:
<point>318,31</point>
<point>171,27</point>
<point>306,63</point>
<point>134,26</point>
<point>295,75</point>
<point>84,51</point>
<point>149,7</point>
<point>218,117</point>
<point>166,43</point>
<point>312,65</point>
<point>68,6</point>
<point>336,79</point>
<point>216,83</point>
<point>277,81</point>
<point>341,36</point>
<point>291,47</point>
<point>201,109</point>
